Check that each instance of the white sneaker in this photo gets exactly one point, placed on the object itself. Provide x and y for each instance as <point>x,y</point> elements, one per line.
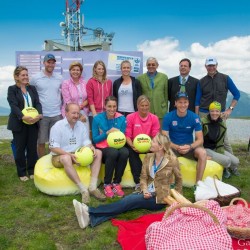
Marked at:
<point>82,214</point>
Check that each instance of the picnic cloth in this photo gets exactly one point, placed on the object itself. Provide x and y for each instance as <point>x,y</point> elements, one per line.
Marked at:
<point>131,233</point>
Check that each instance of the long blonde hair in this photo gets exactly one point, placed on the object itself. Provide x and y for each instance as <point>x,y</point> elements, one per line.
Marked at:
<point>17,72</point>
<point>99,62</point>
<point>164,141</point>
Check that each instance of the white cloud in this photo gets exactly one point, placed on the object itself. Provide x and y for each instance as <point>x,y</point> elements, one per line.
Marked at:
<point>233,55</point>
<point>6,79</point>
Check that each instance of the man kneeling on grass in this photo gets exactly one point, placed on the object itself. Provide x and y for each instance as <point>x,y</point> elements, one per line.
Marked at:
<point>155,180</point>
<point>65,137</point>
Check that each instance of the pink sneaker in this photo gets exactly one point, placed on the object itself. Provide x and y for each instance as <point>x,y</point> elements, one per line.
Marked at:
<point>117,189</point>
<point>108,191</point>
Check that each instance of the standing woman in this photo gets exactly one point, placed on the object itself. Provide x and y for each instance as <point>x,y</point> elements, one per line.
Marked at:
<point>140,122</point>
<point>74,91</point>
<point>115,159</point>
<point>98,88</point>
<point>20,96</point>
<point>126,89</point>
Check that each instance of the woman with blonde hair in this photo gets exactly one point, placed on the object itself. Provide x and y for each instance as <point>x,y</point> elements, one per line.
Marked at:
<point>98,89</point>
<point>126,89</point>
<point>74,91</point>
<point>140,122</point>
<point>20,96</point>
<point>157,170</point>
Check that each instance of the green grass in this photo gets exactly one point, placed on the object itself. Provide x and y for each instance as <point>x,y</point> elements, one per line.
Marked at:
<point>3,120</point>
<point>32,220</point>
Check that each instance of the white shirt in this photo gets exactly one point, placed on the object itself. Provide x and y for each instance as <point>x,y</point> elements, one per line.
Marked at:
<point>64,137</point>
<point>49,91</point>
<point>125,98</point>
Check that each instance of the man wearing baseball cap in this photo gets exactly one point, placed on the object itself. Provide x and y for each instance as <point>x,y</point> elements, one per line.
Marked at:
<point>48,85</point>
<point>214,87</point>
<point>179,125</point>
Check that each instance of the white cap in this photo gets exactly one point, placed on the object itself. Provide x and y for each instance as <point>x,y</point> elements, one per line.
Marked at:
<point>211,61</point>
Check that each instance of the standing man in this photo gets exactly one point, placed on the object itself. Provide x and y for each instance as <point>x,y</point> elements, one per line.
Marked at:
<point>48,86</point>
<point>155,86</point>
<point>65,137</point>
<point>183,83</point>
<point>214,87</point>
<point>179,125</point>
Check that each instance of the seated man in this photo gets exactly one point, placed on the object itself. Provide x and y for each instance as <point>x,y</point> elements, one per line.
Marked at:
<point>65,137</point>
<point>179,126</point>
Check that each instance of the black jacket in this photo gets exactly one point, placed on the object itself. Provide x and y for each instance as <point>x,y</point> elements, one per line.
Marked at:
<point>16,102</point>
<point>136,87</point>
<point>174,87</point>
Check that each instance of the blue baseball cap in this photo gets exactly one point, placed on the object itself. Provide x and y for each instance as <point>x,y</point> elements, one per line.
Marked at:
<point>181,95</point>
<point>49,57</point>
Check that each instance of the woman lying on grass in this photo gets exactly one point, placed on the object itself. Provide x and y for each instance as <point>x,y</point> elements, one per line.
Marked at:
<point>157,170</point>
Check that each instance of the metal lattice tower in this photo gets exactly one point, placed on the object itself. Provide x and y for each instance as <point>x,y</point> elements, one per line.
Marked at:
<point>75,33</point>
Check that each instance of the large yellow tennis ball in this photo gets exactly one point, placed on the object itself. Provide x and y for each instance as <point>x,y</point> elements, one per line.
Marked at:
<point>142,143</point>
<point>84,156</point>
<point>30,111</point>
<point>116,139</point>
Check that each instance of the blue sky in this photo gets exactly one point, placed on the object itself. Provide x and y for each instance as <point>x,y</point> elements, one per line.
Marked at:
<point>168,30</point>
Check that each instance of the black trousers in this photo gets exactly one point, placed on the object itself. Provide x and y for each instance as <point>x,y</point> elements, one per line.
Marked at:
<point>135,164</point>
<point>115,161</point>
<point>26,149</point>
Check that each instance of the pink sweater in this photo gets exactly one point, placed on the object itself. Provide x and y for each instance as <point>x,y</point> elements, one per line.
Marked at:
<point>70,93</point>
<point>137,125</point>
<point>97,93</point>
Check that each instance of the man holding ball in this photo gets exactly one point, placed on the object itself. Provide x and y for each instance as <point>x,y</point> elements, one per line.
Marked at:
<point>65,137</point>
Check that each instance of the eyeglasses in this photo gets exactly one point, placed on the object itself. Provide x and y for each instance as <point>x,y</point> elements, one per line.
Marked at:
<point>151,64</point>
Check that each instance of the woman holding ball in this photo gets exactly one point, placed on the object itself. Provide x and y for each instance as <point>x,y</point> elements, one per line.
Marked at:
<point>140,122</point>
<point>115,159</point>
<point>24,128</point>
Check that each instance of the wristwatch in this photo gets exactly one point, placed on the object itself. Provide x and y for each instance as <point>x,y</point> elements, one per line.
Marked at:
<point>231,107</point>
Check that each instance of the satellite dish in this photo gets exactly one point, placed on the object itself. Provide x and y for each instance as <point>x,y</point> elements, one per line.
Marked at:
<point>62,24</point>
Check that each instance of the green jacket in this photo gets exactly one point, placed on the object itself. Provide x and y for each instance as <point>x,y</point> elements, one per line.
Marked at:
<point>158,95</point>
<point>207,126</point>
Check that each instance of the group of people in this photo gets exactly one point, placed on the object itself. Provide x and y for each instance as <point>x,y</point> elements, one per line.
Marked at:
<point>71,110</point>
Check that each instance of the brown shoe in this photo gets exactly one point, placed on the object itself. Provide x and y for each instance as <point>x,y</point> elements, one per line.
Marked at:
<point>97,194</point>
<point>85,197</point>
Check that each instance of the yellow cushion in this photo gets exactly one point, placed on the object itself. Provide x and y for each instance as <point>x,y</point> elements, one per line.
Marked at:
<point>188,170</point>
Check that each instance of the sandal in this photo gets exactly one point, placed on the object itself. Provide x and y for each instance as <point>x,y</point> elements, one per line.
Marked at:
<point>24,178</point>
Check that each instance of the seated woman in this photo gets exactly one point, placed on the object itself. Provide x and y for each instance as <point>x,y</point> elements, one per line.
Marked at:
<point>140,122</point>
<point>74,91</point>
<point>115,159</point>
<point>214,129</point>
<point>157,170</point>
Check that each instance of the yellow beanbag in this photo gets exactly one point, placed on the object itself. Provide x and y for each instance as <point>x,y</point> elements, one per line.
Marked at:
<point>188,170</point>
<point>54,181</point>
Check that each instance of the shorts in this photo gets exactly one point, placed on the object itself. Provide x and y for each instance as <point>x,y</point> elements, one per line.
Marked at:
<point>56,161</point>
<point>45,125</point>
<point>188,155</point>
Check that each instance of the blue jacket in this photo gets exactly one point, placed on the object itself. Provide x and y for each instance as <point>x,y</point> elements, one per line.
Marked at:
<point>101,124</point>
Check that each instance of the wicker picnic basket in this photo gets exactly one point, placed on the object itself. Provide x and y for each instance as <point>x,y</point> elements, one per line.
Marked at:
<point>239,232</point>
<point>226,199</point>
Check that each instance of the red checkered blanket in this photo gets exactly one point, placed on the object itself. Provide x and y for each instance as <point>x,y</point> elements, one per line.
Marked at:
<point>190,229</point>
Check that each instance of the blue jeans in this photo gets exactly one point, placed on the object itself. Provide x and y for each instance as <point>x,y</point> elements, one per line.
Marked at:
<point>133,201</point>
